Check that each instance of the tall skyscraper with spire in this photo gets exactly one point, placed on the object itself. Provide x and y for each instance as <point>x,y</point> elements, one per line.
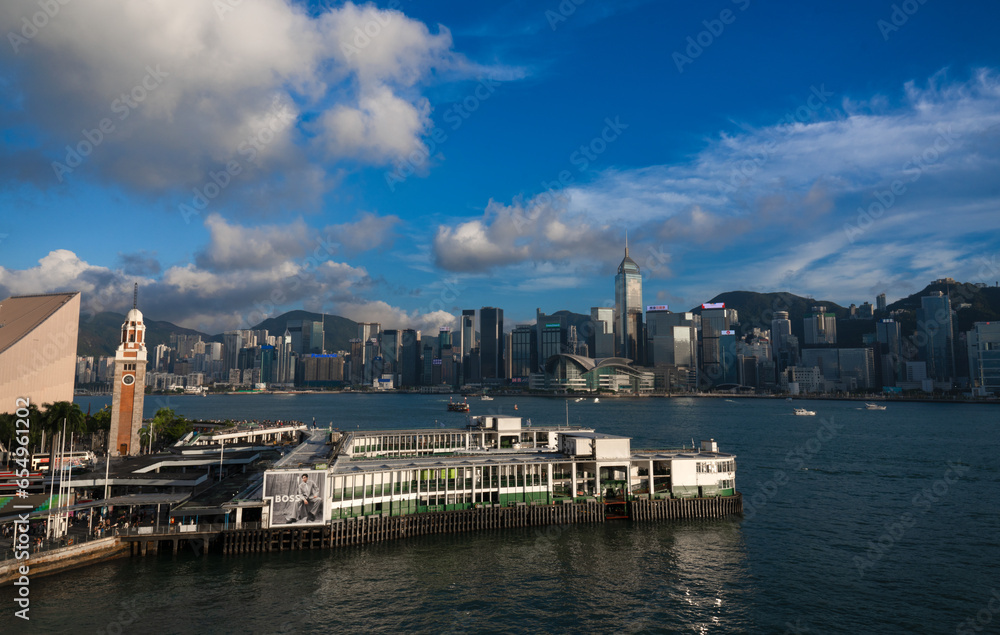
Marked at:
<point>129,384</point>
<point>628,310</point>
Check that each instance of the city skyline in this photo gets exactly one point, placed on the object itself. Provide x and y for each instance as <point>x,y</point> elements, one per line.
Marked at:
<point>441,157</point>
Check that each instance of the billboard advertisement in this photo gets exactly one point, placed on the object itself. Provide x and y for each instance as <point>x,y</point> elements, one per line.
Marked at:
<point>656,307</point>
<point>727,333</point>
<point>714,305</point>
<point>297,498</point>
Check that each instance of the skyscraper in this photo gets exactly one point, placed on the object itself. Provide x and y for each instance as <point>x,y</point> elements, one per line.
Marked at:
<point>551,337</point>
<point>522,351</point>
<point>880,303</point>
<point>935,336</point>
<point>820,326</point>
<point>232,342</point>
<point>717,339</point>
<point>492,341</point>
<point>602,343</point>
<point>983,343</point>
<point>628,309</point>
<point>888,357</point>
<point>409,358</point>
<point>467,331</point>
<point>286,361</point>
<point>390,353</point>
<point>784,345</point>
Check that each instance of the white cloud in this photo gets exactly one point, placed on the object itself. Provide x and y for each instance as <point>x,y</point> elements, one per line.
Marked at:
<point>190,85</point>
<point>235,246</point>
<point>537,231</point>
<point>790,192</point>
<point>213,301</point>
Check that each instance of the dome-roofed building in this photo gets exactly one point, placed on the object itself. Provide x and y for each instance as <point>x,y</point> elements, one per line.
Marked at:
<point>576,372</point>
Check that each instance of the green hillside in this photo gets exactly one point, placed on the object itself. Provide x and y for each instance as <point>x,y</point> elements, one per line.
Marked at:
<point>100,333</point>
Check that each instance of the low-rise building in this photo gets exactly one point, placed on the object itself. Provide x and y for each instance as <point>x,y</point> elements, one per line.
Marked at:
<point>494,460</point>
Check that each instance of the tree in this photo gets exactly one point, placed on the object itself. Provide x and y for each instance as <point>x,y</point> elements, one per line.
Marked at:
<point>99,421</point>
<point>168,426</point>
<point>53,417</point>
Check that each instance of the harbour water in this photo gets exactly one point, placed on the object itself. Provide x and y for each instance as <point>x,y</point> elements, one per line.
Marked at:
<point>856,521</point>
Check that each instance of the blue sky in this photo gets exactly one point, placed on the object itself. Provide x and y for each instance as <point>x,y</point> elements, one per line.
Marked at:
<point>400,161</point>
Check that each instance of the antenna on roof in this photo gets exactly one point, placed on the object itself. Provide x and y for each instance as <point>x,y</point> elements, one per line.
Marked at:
<point>626,243</point>
<point>135,295</point>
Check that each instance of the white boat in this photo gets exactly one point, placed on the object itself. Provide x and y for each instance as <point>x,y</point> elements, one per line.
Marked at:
<point>578,400</point>
<point>874,406</point>
<point>486,398</point>
<point>596,400</point>
<point>805,413</point>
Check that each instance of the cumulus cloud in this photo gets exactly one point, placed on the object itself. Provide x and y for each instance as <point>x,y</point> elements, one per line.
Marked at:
<point>213,301</point>
<point>140,263</point>
<point>367,231</point>
<point>539,230</point>
<point>394,317</point>
<point>814,191</point>
<point>234,246</point>
<point>202,84</point>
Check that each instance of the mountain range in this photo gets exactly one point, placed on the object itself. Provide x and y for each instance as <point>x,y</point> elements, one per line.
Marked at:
<point>99,333</point>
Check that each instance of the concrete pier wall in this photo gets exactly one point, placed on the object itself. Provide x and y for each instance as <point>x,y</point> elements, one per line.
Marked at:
<point>371,529</point>
<point>56,560</point>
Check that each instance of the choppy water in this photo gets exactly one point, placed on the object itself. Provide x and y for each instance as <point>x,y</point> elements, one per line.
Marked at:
<point>857,522</point>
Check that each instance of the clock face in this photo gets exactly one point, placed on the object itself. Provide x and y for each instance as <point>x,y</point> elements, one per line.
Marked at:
<point>128,380</point>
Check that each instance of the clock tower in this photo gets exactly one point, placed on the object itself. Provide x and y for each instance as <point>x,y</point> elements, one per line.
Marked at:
<point>129,385</point>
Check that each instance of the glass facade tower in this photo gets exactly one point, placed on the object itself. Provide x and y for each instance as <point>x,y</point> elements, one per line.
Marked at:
<point>628,310</point>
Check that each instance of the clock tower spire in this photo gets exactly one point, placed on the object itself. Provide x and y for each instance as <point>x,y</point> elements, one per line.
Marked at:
<point>129,384</point>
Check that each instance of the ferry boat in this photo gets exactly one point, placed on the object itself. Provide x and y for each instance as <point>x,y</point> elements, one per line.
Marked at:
<point>805,413</point>
<point>874,406</point>
<point>457,406</point>
<point>486,398</point>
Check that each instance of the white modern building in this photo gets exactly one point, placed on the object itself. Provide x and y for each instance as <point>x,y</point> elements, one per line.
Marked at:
<point>497,460</point>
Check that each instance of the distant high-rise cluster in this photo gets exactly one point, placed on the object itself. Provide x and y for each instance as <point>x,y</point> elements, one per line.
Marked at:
<point>628,346</point>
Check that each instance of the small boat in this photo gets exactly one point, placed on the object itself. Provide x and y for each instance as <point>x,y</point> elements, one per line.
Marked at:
<point>596,400</point>
<point>874,406</point>
<point>805,413</point>
<point>457,406</point>
<point>788,398</point>
<point>578,400</point>
<point>486,398</point>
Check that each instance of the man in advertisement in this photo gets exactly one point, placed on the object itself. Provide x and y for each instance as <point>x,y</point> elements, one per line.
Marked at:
<point>309,500</point>
<point>296,497</point>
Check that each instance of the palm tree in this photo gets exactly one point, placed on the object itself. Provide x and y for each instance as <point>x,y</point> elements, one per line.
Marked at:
<point>54,416</point>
